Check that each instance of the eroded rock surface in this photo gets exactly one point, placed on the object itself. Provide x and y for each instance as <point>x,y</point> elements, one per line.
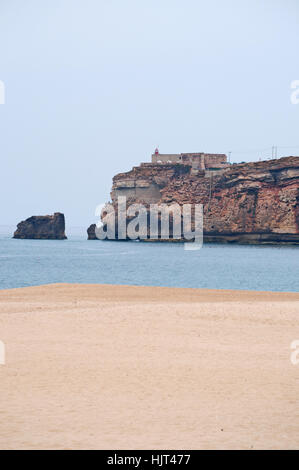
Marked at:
<point>42,227</point>
<point>248,203</point>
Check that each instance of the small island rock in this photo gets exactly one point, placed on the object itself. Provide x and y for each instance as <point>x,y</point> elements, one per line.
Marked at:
<point>91,232</point>
<point>42,227</point>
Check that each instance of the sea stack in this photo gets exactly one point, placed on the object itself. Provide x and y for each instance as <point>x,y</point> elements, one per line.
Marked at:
<point>91,232</point>
<point>42,227</point>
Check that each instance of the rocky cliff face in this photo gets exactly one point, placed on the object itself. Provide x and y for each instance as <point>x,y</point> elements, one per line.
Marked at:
<point>251,203</point>
<point>43,227</point>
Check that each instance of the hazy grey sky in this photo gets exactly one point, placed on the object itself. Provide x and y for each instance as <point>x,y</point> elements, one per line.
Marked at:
<point>92,86</point>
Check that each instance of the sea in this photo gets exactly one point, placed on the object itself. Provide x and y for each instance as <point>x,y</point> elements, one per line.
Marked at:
<point>215,266</point>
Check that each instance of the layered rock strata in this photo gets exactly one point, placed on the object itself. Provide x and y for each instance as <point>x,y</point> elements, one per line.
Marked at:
<point>246,203</point>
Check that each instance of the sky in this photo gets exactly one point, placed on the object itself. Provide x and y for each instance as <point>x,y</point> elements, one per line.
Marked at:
<point>93,86</point>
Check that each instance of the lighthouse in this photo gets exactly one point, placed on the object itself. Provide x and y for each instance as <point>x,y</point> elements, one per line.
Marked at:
<point>156,151</point>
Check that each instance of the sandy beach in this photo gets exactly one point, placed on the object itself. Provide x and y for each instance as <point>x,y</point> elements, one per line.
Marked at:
<point>107,367</point>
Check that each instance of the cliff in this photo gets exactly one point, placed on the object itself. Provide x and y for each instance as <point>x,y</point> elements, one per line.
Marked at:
<point>43,227</point>
<point>251,202</point>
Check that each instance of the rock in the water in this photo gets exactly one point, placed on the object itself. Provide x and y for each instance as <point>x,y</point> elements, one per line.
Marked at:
<point>91,232</point>
<point>42,227</point>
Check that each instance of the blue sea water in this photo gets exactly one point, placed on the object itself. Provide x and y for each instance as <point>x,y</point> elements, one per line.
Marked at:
<point>76,260</point>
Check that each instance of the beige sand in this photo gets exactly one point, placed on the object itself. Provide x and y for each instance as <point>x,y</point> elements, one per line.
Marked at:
<point>134,367</point>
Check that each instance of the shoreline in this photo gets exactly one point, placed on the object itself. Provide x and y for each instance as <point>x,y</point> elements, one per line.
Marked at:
<point>128,367</point>
<point>151,293</point>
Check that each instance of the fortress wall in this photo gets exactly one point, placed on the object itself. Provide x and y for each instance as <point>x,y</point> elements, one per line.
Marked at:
<point>165,157</point>
<point>149,193</point>
<point>214,161</point>
<point>199,161</point>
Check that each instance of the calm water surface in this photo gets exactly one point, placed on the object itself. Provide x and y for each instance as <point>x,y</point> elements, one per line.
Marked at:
<point>35,262</point>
